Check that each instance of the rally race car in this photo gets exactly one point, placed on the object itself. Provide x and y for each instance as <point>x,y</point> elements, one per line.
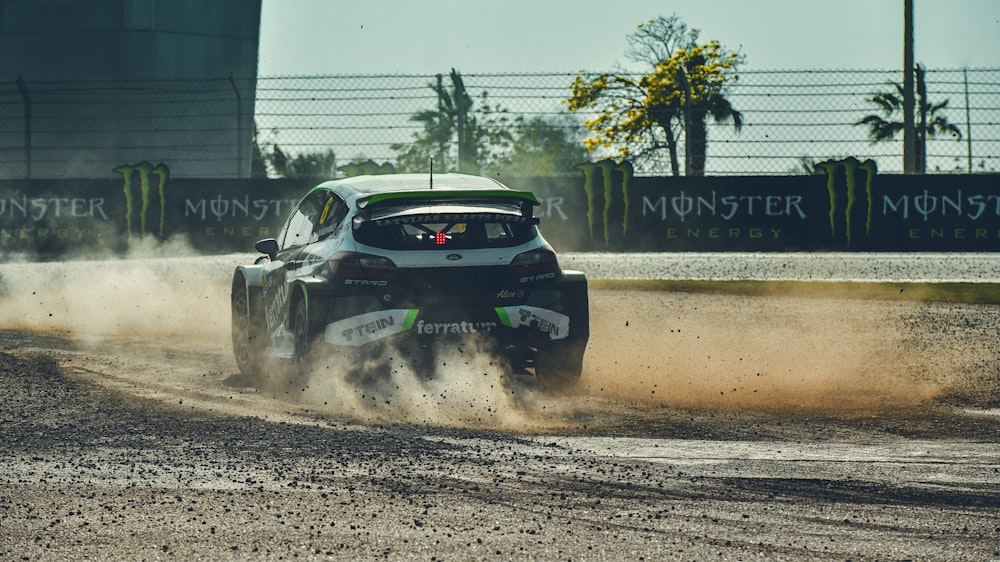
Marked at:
<point>375,266</point>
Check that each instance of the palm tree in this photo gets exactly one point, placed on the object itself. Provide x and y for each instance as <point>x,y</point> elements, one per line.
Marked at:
<point>439,127</point>
<point>715,105</point>
<point>930,122</point>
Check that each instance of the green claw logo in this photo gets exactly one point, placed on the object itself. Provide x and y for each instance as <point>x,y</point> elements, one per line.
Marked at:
<point>847,169</point>
<point>145,172</point>
<point>607,169</point>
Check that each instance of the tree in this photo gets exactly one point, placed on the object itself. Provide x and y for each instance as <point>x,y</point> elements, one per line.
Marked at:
<point>470,136</point>
<point>639,118</point>
<point>270,160</point>
<point>929,121</point>
<point>456,135</point>
<point>362,166</point>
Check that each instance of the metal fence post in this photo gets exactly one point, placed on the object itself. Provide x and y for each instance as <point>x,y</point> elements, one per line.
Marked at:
<point>909,132</point>
<point>239,128</point>
<point>968,120</point>
<point>27,125</point>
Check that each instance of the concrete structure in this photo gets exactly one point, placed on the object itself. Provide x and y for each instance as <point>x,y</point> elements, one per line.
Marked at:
<point>90,86</point>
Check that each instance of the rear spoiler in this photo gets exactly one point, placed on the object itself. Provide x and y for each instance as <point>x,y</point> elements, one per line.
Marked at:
<point>525,200</point>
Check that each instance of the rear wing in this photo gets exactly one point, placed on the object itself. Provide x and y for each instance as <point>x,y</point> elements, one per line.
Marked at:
<point>525,201</point>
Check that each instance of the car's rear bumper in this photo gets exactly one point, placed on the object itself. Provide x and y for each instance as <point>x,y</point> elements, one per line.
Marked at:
<point>548,320</point>
<point>533,325</point>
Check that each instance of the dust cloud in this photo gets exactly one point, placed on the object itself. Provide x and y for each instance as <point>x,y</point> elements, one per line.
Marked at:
<point>140,296</point>
<point>157,308</point>
<point>738,353</point>
<point>788,354</point>
<point>464,384</point>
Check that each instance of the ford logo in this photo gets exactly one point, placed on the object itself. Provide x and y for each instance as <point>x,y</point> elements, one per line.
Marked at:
<point>454,257</point>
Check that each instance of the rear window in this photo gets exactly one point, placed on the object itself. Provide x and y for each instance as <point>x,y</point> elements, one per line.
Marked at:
<point>430,230</point>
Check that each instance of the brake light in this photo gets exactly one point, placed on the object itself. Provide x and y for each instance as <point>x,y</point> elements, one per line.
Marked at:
<point>540,260</point>
<point>358,265</point>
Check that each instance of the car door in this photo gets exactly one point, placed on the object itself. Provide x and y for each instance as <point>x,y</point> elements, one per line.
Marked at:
<point>299,231</point>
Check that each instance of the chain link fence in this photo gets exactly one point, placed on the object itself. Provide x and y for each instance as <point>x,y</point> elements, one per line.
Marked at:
<point>203,128</point>
<point>792,119</point>
<point>84,129</point>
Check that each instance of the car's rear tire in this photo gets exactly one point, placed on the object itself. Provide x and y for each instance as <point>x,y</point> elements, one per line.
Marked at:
<point>559,370</point>
<point>560,365</point>
<point>303,340</point>
<point>247,341</point>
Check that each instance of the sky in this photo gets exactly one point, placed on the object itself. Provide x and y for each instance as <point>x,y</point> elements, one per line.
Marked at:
<point>326,37</point>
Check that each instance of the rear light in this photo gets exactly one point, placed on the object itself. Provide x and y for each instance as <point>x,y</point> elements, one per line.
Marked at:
<point>540,260</point>
<point>357,265</point>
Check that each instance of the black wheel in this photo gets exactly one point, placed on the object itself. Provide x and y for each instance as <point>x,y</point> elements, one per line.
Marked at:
<point>246,340</point>
<point>304,336</point>
<point>559,369</point>
<point>559,366</point>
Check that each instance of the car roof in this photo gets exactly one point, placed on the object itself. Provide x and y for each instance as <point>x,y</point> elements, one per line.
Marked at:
<point>358,190</point>
<point>367,185</point>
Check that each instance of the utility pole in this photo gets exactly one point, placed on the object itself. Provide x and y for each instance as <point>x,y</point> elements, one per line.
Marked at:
<point>909,130</point>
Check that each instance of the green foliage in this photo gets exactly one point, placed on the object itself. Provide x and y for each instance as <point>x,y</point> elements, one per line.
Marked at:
<point>639,118</point>
<point>367,167</point>
<point>468,135</point>
<point>542,147</point>
<point>459,135</point>
<point>320,165</point>
<point>316,165</point>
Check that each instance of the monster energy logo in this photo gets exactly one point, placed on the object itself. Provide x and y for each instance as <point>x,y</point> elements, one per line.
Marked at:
<point>609,171</point>
<point>144,171</point>
<point>848,169</point>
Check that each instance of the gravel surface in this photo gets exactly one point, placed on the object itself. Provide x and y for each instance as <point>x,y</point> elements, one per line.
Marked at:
<point>706,427</point>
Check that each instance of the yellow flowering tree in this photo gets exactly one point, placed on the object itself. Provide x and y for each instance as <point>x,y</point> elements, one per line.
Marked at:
<point>640,117</point>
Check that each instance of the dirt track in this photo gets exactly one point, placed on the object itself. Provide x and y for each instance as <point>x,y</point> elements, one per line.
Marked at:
<point>706,427</point>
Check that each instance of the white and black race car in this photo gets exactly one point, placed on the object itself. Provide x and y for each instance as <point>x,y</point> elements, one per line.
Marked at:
<point>410,261</point>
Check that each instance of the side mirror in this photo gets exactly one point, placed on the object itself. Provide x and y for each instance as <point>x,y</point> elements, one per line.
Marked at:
<point>267,246</point>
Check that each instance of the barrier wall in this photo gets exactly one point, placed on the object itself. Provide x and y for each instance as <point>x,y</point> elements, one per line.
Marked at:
<point>849,207</point>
